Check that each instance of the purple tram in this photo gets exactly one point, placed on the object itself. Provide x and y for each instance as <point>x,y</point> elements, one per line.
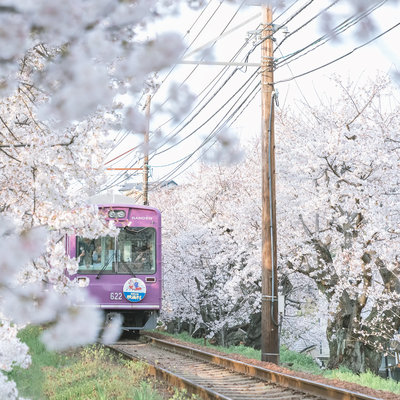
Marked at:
<point>123,273</point>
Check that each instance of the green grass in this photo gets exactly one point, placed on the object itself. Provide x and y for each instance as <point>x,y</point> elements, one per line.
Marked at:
<point>145,392</point>
<point>302,362</point>
<point>96,373</point>
<point>30,381</point>
<point>299,362</point>
<point>92,372</point>
<point>366,379</point>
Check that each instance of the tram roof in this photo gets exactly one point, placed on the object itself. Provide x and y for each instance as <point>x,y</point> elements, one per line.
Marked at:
<point>114,198</point>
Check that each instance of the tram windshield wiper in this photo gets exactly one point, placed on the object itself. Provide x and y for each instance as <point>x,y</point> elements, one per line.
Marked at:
<point>134,231</point>
<point>104,266</point>
<point>130,270</point>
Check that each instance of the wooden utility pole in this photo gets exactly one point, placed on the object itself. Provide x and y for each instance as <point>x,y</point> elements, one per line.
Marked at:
<point>146,155</point>
<point>269,308</point>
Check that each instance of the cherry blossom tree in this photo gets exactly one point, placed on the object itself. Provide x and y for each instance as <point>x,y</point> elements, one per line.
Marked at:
<point>212,251</point>
<point>337,232</point>
<point>338,215</point>
<point>62,66</point>
<point>212,259</point>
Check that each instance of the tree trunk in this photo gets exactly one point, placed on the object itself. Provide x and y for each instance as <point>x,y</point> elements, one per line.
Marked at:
<point>354,354</point>
<point>345,345</point>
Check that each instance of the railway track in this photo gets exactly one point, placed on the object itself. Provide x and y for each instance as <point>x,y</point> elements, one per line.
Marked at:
<point>211,376</point>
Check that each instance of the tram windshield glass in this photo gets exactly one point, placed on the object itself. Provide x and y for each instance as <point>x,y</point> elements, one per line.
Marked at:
<point>132,252</point>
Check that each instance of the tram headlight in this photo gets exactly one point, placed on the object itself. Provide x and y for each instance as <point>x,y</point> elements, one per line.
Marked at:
<point>83,282</point>
<point>121,214</point>
<point>116,214</point>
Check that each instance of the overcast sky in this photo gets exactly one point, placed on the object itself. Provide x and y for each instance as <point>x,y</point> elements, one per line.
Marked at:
<point>229,20</point>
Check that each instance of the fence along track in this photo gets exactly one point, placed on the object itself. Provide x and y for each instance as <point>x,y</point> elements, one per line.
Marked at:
<point>214,377</point>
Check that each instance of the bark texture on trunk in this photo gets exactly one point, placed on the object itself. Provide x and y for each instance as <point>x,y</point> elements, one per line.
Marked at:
<point>347,347</point>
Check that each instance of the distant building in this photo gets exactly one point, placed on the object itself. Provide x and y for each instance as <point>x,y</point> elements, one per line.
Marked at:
<point>135,189</point>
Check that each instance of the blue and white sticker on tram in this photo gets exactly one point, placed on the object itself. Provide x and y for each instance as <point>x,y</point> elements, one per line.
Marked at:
<point>134,290</point>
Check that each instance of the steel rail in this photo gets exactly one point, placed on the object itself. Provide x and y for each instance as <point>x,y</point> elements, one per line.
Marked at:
<point>282,379</point>
<point>176,380</point>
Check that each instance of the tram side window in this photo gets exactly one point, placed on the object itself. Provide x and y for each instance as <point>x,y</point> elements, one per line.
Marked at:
<point>96,254</point>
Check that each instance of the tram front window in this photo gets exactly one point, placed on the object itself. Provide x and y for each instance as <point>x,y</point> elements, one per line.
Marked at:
<point>132,252</point>
<point>96,254</point>
<point>136,250</point>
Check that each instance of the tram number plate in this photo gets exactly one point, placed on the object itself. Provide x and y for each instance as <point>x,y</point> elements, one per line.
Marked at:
<point>115,295</point>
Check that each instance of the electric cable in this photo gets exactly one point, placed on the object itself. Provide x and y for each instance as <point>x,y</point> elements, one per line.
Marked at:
<point>341,57</point>
<point>294,15</point>
<point>280,26</point>
<point>224,29</point>
<point>208,119</point>
<point>306,23</point>
<point>218,128</point>
<point>254,75</point>
<point>286,10</point>
<point>175,162</point>
<point>202,58</point>
<point>342,27</point>
<point>294,77</point>
<point>357,21</point>
<point>172,134</point>
<point>229,24</point>
<point>187,32</point>
<point>188,47</point>
<point>200,104</point>
<point>194,69</point>
<point>298,87</point>
<point>172,176</point>
<point>214,43</point>
<point>221,125</point>
<point>210,85</point>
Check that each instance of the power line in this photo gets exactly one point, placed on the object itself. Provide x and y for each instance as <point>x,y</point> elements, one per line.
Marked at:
<point>221,125</point>
<point>339,29</point>
<point>286,10</point>
<point>343,26</point>
<point>284,60</point>
<point>173,135</point>
<point>126,152</point>
<point>307,22</point>
<point>175,132</point>
<point>298,87</point>
<point>222,32</point>
<point>217,78</point>
<point>295,14</point>
<point>172,176</point>
<point>187,32</point>
<point>225,34</point>
<point>186,49</point>
<point>341,57</point>
<point>194,69</point>
<point>202,58</point>
<point>279,27</point>
<point>209,118</point>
